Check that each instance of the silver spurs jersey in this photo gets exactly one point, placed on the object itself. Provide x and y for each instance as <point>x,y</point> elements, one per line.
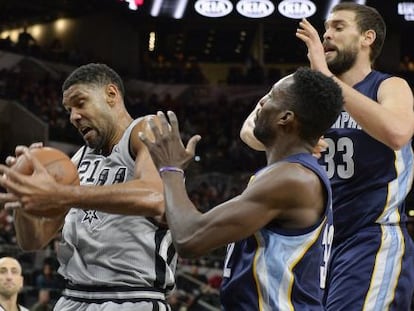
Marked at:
<point>102,249</point>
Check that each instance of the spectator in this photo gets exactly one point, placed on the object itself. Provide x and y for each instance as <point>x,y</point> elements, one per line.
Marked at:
<point>11,282</point>
<point>47,278</point>
<point>25,41</point>
<point>43,302</point>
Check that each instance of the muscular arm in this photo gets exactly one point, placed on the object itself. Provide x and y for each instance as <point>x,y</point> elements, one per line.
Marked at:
<point>141,196</point>
<point>34,233</point>
<point>392,121</point>
<point>247,136</point>
<point>246,132</point>
<point>269,197</point>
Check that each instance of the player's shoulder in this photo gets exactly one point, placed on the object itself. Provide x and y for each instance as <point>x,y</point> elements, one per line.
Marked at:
<point>141,124</point>
<point>395,85</point>
<point>395,80</point>
<point>287,175</point>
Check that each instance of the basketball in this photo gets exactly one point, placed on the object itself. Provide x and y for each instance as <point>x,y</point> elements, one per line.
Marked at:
<point>58,164</point>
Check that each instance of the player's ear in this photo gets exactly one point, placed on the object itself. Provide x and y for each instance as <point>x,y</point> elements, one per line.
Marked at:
<point>111,94</point>
<point>369,37</point>
<point>286,117</point>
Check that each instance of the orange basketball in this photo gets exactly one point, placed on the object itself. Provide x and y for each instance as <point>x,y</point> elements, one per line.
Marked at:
<point>58,164</point>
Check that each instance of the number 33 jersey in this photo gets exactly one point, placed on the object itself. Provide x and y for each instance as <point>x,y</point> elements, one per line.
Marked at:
<point>369,180</point>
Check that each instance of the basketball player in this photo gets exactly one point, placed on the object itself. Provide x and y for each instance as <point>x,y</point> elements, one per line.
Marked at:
<point>114,255</point>
<point>279,229</point>
<point>11,283</point>
<point>369,161</point>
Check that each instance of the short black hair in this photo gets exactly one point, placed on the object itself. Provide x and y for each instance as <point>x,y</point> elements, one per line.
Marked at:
<point>96,74</point>
<point>316,100</point>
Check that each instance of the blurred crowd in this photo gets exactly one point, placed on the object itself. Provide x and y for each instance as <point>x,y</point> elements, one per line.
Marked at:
<point>222,166</point>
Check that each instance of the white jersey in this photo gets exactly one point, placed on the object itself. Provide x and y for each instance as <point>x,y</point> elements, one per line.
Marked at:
<point>114,257</point>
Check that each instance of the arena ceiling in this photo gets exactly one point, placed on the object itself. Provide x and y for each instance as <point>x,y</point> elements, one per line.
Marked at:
<point>222,39</point>
<point>13,11</point>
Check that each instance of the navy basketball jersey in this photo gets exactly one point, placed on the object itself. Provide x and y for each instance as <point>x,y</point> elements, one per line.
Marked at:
<point>278,270</point>
<point>369,180</point>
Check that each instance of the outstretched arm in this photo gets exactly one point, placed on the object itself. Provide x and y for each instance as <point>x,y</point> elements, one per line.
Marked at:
<point>392,121</point>
<point>247,135</point>
<point>246,132</point>
<point>267,198</point>
<point>140,196</point>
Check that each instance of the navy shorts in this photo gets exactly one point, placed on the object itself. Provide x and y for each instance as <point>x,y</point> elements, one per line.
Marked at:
<point>372,271</point>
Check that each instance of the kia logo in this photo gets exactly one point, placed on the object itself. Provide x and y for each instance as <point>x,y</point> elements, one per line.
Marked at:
<point>297,8</point>
<point>213,8</point>
<point>255,8</point>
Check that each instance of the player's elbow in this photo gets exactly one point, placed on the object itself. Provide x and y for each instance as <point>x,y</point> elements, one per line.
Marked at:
<point>189,250</point>
<point>190,245</point>
<point>398,140</point>
<point>30,246</point>
<point>154,205</point>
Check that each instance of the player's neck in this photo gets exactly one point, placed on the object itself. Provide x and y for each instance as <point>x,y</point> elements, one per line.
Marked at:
<point>117,135</point>
<point>282,151</point>
<point>356,74</point>
<point>9,304</point>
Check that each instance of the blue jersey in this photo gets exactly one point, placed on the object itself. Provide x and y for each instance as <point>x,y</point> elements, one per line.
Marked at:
<point>277,269</point>
<point>369,180</point>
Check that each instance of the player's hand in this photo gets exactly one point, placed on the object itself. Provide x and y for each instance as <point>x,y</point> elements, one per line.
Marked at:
<point>320,147</point>
<point>32,192</point>
<point>316,53</point>
<point>167,148</point>
<point>19,150</point>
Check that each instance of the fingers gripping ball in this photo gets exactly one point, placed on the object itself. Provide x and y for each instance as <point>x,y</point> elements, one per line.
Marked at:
<point>58,165</point>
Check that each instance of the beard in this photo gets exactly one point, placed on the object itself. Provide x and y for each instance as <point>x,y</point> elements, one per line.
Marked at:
<point>262,133</point>
<point>343,61</point>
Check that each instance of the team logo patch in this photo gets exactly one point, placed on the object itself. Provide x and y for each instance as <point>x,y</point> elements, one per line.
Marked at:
<point>90,216</point>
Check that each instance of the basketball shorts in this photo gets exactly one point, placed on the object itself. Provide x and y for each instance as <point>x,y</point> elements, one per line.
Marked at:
<point>372,270</point>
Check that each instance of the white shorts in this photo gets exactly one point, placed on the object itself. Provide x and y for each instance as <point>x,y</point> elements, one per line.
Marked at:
<point>65,304</point>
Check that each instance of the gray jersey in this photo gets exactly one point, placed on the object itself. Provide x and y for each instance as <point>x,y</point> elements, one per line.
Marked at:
<point>109,256</point>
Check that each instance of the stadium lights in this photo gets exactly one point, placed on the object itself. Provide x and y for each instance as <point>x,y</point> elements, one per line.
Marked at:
<point>134,4</point>
<point>156,8</point>
<point>331,4</point>
<point>172,8</point>
<point>407,10</point>
<point>180,9</point>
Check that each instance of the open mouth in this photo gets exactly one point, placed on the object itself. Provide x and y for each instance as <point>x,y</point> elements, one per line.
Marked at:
<point>85,130</point>
<point>329,48</point>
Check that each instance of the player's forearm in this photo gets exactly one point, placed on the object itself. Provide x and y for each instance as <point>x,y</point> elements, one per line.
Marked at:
<point>34,233</point>
<point>246,132</point>
<point>130,198</point>
<point>183,219</point>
